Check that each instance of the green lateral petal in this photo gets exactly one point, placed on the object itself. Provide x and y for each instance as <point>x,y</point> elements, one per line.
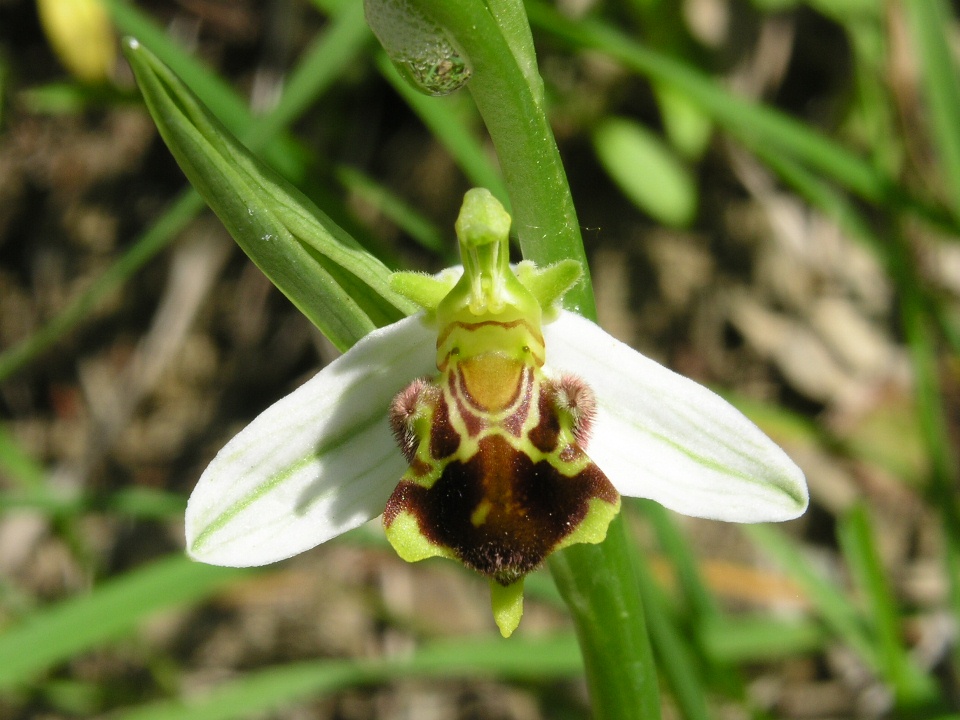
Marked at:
<point>317,463</point>
<point>662,436</point>
<point>339,286</point>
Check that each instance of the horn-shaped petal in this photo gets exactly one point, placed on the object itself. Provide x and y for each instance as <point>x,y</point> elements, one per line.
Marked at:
<point>662,436</point>
<point>317,463</point>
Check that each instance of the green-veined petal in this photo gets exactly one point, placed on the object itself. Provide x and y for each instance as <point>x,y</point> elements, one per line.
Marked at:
<point>662,436</point>
<point>317,463</point>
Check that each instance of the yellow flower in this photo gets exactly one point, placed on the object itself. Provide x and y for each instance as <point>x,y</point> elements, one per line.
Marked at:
<point>82,37</point>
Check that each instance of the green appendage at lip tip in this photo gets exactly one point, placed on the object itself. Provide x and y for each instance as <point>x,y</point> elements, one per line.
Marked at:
<point>507,604</point>
<point>507,600</point>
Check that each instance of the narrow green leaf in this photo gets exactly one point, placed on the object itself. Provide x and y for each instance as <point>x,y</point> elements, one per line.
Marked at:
<point>69,98</point>
<point>146,246</point>
<point>268,690</point>
<point>342,289</point>
<point>332,51</point>
<point>25,472</point>
<point>700,604</point>
<point>406,218</point>
<point>856,534</point>
<point>756,126</point>
<point>216,92</point>
<point>53,634</point>
<point>676,659</point>
<point>755,639</point>
<point>326,59</point>
<point>826,197</point>
<point>836,610</point>
<point>932,22</point>
<point>131,502</point>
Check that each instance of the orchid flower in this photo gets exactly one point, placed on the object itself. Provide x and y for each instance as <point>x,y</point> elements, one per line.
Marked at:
<point>492,428</point>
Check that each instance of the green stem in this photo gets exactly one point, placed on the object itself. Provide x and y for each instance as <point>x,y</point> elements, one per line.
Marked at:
<point>599,585</point>
<point>543,213</point>
<point>598,582</point>
<point>511,16</point>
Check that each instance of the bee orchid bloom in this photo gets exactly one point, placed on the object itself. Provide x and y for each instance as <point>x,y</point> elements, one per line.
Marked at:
<point>493,428</point>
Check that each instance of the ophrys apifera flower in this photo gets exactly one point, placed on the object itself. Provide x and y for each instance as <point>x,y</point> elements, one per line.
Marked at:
<point>493,428</point>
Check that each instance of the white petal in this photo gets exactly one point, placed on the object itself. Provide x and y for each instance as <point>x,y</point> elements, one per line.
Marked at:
<point>662,436</point>
<point>317,463</point>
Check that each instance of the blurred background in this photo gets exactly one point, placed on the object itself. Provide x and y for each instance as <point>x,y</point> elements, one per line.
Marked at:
<point>768,193</point>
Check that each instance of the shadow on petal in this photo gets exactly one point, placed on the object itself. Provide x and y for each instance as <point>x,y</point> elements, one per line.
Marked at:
<point>662,436</point>
<point>315,464</point>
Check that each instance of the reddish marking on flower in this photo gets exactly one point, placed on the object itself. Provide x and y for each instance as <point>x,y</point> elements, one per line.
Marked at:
<point>444,439</point>
<point>527,508</point>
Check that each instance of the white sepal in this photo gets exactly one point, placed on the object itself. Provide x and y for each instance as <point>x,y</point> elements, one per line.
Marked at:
<point>662,436</point>
<point>317,463</point>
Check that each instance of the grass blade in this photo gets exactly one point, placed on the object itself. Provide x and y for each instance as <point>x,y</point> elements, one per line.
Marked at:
<point>756,639</point>
<point>177,216</point>
<point>267,690</point>
<point>53,634</point>
<point>699,602</point>
<point>24,472</point>
<point>837,611</point>
<point>756,126</point>
<point>408,219</point>
<point>134,502</point>
<point>327,58</point>
<point>309,80</point>
<point>856,534</point>
<point>675,658</point>
<point>931,21</point>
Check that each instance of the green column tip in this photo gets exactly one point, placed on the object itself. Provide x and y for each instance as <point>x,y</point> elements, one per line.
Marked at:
<point>482,219</point>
